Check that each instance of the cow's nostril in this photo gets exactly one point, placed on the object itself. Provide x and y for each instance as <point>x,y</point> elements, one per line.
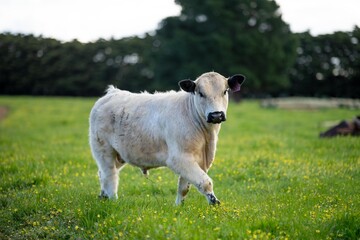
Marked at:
<point>216,117</point>
<point>223,116</point>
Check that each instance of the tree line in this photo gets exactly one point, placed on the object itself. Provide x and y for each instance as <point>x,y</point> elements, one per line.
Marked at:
<point>235,36</point>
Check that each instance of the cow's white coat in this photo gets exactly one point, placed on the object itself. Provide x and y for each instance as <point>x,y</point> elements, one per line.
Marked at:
<point>162,129</point>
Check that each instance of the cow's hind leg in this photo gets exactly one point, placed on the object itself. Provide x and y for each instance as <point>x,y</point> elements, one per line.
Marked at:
<point>109,163</point>
<point>183,189</point>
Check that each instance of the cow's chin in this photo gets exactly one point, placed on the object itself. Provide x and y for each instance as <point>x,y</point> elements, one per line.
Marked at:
<point>216,121</point>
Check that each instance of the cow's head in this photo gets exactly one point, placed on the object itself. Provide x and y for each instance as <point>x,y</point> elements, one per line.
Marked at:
<point>210,93</point>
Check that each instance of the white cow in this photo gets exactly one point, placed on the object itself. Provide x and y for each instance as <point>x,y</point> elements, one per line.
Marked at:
<point>174,129</point>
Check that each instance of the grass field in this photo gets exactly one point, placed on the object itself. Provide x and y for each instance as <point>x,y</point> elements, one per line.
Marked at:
<point>275,178</point>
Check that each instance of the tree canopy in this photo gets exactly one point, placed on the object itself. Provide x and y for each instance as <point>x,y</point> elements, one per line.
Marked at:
<point>230,37</point>
<point>42,66</point>
<point>327,65</point>
<point>236,36</point>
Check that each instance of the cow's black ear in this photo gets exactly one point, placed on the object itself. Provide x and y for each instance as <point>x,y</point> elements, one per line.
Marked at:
<point>187,85</point>
<point>235,82</point>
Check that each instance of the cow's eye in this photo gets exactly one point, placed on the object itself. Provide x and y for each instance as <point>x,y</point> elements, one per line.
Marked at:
<point>201,94</point>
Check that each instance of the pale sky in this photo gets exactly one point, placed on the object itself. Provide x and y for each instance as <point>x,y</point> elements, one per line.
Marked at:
<point>320,16</point>
<point>89,20</point>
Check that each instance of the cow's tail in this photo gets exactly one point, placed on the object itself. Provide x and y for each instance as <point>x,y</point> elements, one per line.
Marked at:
<point>111,89</point>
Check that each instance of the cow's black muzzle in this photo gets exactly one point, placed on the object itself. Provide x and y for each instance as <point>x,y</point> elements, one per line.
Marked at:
<point>216,117</point>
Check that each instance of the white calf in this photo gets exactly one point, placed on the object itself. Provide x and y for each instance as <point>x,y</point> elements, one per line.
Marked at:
<point>174,129</point>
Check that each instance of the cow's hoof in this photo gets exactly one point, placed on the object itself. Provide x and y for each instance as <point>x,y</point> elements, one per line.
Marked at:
<point>145,172</point>
<point>217,202</point>
<point>103,196</point>
<point>212,199</point>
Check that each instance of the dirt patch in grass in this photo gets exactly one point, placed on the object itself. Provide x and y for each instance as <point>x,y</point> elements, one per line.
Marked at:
<point>3,112</point>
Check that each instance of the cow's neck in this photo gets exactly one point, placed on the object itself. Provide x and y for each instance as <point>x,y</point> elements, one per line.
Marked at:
<point>199,122</point>
<point>210,150</point>
<point>208,130</point>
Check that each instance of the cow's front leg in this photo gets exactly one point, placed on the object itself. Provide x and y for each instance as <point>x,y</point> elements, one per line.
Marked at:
<point>183,189</point>
<point>189,170</point>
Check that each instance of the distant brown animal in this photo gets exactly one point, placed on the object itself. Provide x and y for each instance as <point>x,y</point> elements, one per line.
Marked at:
<point>344,128</point>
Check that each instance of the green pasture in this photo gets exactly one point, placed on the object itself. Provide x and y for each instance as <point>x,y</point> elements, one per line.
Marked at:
<point>275,177</point>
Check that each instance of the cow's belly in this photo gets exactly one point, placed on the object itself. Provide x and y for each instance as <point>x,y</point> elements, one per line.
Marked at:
<point>145,160</point>
<point>142,151</point>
